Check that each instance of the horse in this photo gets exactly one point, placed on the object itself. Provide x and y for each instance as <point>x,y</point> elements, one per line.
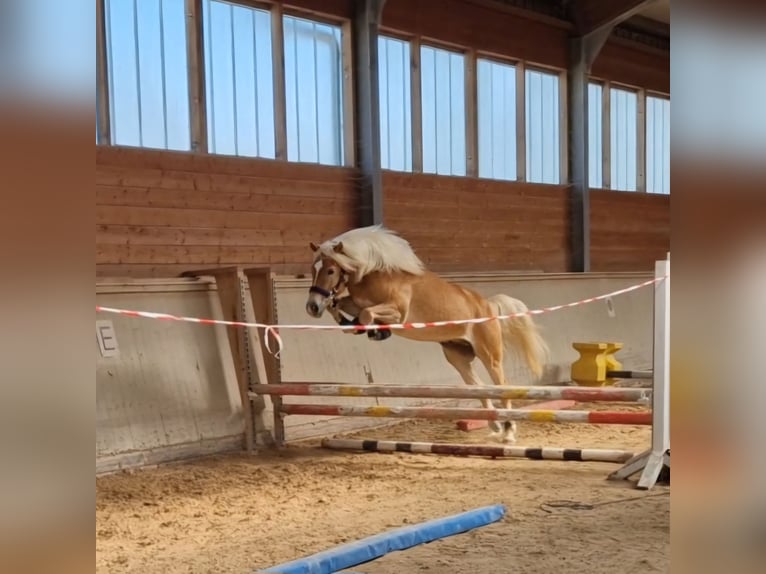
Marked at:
<point>374,275</point>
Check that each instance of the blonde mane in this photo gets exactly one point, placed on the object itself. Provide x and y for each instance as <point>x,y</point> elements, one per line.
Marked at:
<point>369,249</point>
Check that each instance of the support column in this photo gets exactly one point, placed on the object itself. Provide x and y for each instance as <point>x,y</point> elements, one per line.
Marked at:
<point>577,77</point>
<point>582,53</point>
<point>365,30</point>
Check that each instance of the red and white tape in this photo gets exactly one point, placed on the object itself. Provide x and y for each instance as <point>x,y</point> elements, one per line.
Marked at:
<point>273,330</point>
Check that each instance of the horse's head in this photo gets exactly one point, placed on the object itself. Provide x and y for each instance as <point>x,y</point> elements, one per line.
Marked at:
<point>328,281</point>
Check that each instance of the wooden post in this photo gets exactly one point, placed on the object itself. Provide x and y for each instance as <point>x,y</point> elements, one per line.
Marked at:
<point>260,282</point>
<point>102,77</point>
<point>521,123</point>
<point>416,104</point>
<point>230,294</point>
<point>195,53</point>
<point>278,55</point>
<point>471,115</point>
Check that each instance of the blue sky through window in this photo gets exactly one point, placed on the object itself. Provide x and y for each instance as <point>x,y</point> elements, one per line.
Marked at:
<point>623,139</point>
<point>595,136</point>
<point>657,145</point>
<point>542,127</point>
<point>148,78</point>
<point>149,98</point>
<point>239,80</point>
<point>395,104</point>
<point>314,91</point>
<point>443,111</point>
<point>496,92</point>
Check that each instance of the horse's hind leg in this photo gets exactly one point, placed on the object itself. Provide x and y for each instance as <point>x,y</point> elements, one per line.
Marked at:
<point>460,356</point>
<point>488,344</point>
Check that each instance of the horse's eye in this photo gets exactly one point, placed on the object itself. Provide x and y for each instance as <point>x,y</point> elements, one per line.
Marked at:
<point>330,271</point>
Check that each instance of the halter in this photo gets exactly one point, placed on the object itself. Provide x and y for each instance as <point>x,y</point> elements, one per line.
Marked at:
<point>333,294</point>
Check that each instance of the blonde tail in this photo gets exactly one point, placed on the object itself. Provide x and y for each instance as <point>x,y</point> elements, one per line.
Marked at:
<point>522,332</point>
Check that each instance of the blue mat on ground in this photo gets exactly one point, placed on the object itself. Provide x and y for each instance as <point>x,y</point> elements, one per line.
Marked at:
<point>367,549</point>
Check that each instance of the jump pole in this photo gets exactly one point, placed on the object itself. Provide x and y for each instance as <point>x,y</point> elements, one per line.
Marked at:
<point>469,425</point>
<point>652,461</point>
<point>355,553</point>
<point>547,393</point>
<point>592,417</point>
<point>492,451</point>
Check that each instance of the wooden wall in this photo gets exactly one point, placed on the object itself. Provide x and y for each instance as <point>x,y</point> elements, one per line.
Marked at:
<point>468,224</point>
<point>629,231</point>
<point>159,213</point>
<point>473,24</point>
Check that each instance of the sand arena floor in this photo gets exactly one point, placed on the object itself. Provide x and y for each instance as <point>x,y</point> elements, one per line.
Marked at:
<point>235,513</point>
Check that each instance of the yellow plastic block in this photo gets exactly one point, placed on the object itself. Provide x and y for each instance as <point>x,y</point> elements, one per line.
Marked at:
<point>594,362</point>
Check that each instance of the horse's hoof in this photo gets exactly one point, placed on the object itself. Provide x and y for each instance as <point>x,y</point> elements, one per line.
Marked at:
<point>379,334</point>
<point>495,427</point>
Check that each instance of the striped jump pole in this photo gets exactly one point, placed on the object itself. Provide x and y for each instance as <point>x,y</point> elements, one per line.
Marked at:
<point>493,451</point>
<point>580,394</point>
<point>593,417</point>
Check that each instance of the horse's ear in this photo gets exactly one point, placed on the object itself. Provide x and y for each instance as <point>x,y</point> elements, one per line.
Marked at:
<point>338,247</point>
<point>314,247</point>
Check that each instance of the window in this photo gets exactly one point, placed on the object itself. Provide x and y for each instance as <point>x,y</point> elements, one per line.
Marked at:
<point>442,77</point>
<point>595,136</point>
<point>542,123</point>
<point>496,87</point>
<point>314,91</point>
<point>395,104</point>
<point>657,145</point>
<point>239,81</point>
<point>623,118</point>
<point>148,78</point>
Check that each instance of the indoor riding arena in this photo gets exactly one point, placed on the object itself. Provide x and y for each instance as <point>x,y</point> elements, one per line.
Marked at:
<point>382,286</point>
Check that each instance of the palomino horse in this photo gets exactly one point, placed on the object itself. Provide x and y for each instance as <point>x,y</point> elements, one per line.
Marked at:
<point>374,275</point>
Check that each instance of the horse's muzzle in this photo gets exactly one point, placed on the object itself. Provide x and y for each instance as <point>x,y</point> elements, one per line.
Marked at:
<point>313,309</point>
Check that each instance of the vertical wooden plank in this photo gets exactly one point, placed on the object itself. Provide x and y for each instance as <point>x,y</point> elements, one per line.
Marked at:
<point>606,135</point>
<point>102,77</point>
<point>641,141</point>
<point>280,103</point>
<point>521,123</point>
<point>256,362</point>
<point>349,109</point>
<point>471,120</point>
<point>230,295</point>
<point>564,128</point>
<point>261,283</point>
<point>416,103</point>
<point>195,53</point>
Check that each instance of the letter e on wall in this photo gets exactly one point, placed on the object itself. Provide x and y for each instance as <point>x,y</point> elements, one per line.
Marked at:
<point>107,340</point>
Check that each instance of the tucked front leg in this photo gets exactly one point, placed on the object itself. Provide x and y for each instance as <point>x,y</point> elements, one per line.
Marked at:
<point>383,313</point>
<point>346,312</point>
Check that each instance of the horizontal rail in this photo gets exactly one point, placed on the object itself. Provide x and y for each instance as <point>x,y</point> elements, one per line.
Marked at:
<point>582,394</point>
<point>630,374</point>
<point>594,417</point>
<point>494,451</point>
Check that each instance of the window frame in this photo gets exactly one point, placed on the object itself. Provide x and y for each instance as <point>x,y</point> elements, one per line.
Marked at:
<point>469,67</point>
<point>409,71</point>
<point>660,96</point>
<point>640,135</point>
<point>347,111</point>
<point>563,151</point>
<point>520,113</point>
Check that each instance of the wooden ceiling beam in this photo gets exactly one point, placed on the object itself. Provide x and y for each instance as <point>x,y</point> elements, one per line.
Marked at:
<point>593,16</point>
